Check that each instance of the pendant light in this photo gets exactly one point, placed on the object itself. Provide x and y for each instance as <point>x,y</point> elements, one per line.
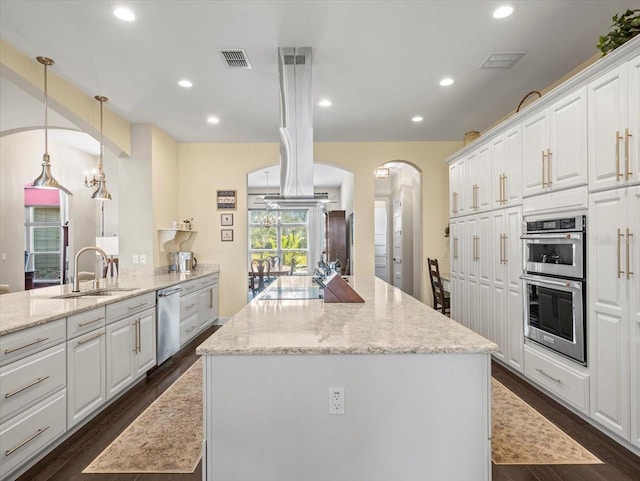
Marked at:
<point>101,192</point>
<point>46,179</point>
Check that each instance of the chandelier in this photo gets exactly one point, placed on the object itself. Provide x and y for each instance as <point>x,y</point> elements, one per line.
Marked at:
<point>100,180</point>
<point>267,221</point>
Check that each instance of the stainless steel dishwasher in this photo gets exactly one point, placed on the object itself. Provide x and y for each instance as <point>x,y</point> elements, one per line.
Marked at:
<point>168,331</point>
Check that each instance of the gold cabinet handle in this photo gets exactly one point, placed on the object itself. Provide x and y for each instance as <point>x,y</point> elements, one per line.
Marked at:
<point>627,135</point>
<point>211,298</point>
<point>37,341</point>
<point>618,139</point>
<point>137,306</point>
<point>505,249</point>
<point>28,440</point>
<point>84,341</point>
<point>139,336</point>
<point>549,168</point>
<point>620,234</point>
<point>17,391</point>
<point>82,324</point>
<point>544,183</point>
<point>455,203</point>
<point>455,247</point>
<point>501,253</point>
<point>504,188</point>
<point>541,371</point>
<point>629,239</point>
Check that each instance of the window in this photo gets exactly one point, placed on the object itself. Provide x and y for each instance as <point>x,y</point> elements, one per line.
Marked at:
<point>284,233</point>
<point>43,242</point>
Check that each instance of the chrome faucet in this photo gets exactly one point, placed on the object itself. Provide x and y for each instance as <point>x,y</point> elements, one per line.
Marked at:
<point>76,280</point>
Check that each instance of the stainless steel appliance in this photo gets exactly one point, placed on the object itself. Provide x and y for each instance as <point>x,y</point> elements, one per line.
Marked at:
<point>554,314</point>
<point>168,319</point>
<point>554,283</point>
<point>555,246</point>
<point>183,261</point>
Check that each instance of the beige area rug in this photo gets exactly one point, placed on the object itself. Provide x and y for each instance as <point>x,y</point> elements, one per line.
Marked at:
<point>165,438</point>
<point>521,435</point>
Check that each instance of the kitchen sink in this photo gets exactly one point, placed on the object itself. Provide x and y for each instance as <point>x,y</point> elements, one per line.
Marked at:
<point>107,291</point>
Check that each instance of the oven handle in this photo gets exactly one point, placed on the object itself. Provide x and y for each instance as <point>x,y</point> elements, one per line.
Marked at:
<point>546,280</point>
<point>560,236</point>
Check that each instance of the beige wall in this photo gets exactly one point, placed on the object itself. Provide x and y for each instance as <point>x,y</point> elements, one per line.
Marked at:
<point>205,168</point>
<point>69,101</point>
<point>164,175</point>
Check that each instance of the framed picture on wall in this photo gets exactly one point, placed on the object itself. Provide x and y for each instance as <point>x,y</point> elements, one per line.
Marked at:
<point>226,199</point>
<point>226,219</point>
<point>226,235</point>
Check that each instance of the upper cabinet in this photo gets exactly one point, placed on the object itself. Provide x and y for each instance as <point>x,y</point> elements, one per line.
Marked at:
<point>506,165</point>
<point>613,127</point>
<point>554,146</point>
<point>457,179</point>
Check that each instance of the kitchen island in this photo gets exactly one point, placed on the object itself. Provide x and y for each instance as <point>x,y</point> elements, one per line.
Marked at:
<point>415,391</point>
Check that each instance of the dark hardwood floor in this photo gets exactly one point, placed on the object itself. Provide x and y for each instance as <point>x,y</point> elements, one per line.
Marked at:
<point>67,461</point>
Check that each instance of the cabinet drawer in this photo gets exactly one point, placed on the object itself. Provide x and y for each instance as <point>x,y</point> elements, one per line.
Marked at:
<point>25,435</point>
<point>188,329</point>
<point>562,380</point>
<point>188,305</point>
<point>23,383</point>
<point>85,322</point>
<point>119,310</point>
<point>21,344</point>
<point>205,281</point>
<point>189,287</point>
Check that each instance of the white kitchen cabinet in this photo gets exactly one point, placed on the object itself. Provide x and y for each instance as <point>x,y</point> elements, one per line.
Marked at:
<point>506,167</point>
<point>86,375</point>
<point>131,350</point>
<point>476,186</point>
<point>457,182</point>
<point>613,127</point>
<point>554,146</point>
<point>633,202</point>
<point>207,298</point>
<point>507,319</point>
<point>457,236</point>
<point>613,290</point>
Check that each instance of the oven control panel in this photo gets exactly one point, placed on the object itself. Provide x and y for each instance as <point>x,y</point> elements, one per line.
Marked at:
<point>567,224</point>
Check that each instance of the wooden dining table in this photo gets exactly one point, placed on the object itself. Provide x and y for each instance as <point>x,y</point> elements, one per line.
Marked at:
<point>260,273</point>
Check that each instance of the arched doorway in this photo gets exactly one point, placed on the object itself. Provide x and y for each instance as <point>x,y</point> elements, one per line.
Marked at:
<point>297,237</point>
<point>398,225</point>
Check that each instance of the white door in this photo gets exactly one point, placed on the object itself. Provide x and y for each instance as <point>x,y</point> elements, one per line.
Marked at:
<point>483,175</point>
<point>633,202</point>
<point>397,241</point>
<point>609,319</point>
<point>470,300</point>
<point>120,344</point>
<point>499,283</point>
<point>380,240</point>
<point>607,114</point>
<point>86,375</point>
<point>146,355</point>
<point>471,180</point>
<point>568,141</point>
<point>513,263</point>
<point>634,121</point>
<point>205,307</point>
<point>513,178</point>
<point>535,134</point>
<point>498,170</point>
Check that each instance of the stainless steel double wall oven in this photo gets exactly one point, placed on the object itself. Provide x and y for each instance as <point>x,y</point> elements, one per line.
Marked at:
<point>554,283</point>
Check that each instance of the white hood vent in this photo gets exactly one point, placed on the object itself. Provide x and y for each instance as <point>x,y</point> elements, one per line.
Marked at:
<point>296,131</point>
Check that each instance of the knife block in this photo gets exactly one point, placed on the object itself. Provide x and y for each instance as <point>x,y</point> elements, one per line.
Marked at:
<point>338,290</point>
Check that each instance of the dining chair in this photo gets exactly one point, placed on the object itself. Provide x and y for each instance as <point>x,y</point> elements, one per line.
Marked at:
<point>254,280</point>
<point>441,298</point>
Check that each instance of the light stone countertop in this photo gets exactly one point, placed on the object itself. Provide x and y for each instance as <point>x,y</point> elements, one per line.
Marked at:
<point>389,321</point>
<point>24,309</point>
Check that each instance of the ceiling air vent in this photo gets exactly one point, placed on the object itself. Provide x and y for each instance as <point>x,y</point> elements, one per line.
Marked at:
<point>235,58</point>
<point>503,59</point>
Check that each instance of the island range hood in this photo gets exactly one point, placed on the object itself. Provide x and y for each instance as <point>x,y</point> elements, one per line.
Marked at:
<point>296,132</point>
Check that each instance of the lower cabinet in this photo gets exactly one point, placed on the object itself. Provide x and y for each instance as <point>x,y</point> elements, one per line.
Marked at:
<point>131,350</point>
<point>86,375</point>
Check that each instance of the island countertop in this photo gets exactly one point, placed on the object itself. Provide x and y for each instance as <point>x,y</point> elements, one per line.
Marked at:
<point>389,321</point>
<point>24,309</point>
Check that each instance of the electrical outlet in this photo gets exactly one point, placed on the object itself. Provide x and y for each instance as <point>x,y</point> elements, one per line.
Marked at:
<point>143,258</point>
<point>4,256</point>
<point>135,258</point>
<point>336,400</point>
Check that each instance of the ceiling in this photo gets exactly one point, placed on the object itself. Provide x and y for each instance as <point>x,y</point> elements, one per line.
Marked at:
<point>379,62</point>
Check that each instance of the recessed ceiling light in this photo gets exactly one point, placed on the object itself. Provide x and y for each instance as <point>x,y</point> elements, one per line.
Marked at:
<point>503,11</point>
<point>213,120</point>
<point>445,82</point>
<point>325,103</point>
<point>124,14</point>
<point>185,83</point>
<point>417,118</point>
